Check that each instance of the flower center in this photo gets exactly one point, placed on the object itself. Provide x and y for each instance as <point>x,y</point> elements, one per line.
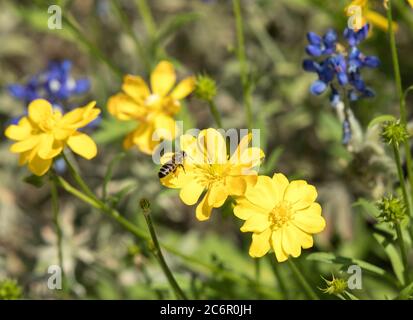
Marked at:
<point>153,100</point>
<point>209,174</point>
<point>49,123</point>
<point>280,215</point>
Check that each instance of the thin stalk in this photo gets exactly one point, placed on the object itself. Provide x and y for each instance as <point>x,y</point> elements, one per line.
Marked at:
<point>401,176</point>
<point>56,221</point>
<point>403,252</point>
<point>401,96</point>
<point>246,88</point>
<point>71,23</point>
<point>147,17</point>
<point>158,254</point>
<point>78,178</point>
<point>302,280</point>
<point>142,235</point>
<point>215,113</point>
<point>278,277</point>
<point>128,28</point>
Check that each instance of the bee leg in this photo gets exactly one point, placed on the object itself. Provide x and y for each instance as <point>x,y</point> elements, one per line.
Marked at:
<point>183,168</point>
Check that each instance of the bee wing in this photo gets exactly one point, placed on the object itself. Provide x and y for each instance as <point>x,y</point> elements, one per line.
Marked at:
<point>167,157</point>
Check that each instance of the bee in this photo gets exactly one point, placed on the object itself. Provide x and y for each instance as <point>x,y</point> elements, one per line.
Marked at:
<point>173,164</point>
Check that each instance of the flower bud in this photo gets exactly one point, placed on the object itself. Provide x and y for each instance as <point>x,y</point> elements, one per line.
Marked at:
<point>394,133</point>
<point>392,210</point>
<point>205,87</point>
<point>10,290</point>
<point>145,205</point>
<point>335,286</point>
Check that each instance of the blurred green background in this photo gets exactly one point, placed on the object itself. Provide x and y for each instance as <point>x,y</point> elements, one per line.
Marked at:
<point>300,134</point>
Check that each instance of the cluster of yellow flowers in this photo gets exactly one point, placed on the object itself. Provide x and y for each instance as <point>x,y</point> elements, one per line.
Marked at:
<point>282,215</point>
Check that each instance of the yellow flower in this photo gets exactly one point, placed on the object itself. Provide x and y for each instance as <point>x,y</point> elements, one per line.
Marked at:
<point>42,135</point>
<point>154,110</point>
<point>282,215</point>
<point>210,171</point>
<point>367,15</point>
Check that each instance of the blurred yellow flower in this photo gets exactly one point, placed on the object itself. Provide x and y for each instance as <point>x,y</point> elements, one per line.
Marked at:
<point>207,167</point>
<point>360,12</point>
<point>154,110</point>
<point>282,215</point>
<point>42,135</point>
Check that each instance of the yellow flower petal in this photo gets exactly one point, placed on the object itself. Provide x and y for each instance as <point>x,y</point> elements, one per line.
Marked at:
<point>80,117</point>
<point>379,21</point>
<point>142,138</point>
<point>276,242</point>
<point>20,131</point>
<point>244,209</point>
<point>300,194</point>
<point>48,147</point>
<point>410,2</point>
<point>164,128</point>
<point>281,184</point>
<point>213,146</point>
<point>290,243</point>
<point>256,223</point>
<point>260,244</point>
<point>83,145</point>
<point>203,210</point>
<point>163,78</point>
<point>308,222</point>
<point>135,87</point>
<point>191,192</point>
<point>242,146</point>
<point>303,238</point>
<point>236,185</point>
<point>25,145</point>
<point>125,108</point>
<point>184,88</point>
<point>40,110</point>
<point>217,195</point>
<point>263,193</point>
<point>39,166</point>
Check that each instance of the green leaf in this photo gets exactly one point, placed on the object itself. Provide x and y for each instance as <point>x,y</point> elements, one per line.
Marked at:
<point>118,196</point>
<point>111,130</point>
<point>109,172</point>
<point>381,119</point>
<point>271,161</point>
<point>406,293</point>
<point>368,206</point>
<point>343,261</point>
<point>34,180</point>
<point>393,255</point>
<point>172,25</point>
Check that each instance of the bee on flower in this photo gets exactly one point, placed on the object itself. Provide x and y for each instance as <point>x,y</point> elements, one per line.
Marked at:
<point>42,135</point>
<point>209,171</point>
<point>281,215</point>
<point>153,109</point>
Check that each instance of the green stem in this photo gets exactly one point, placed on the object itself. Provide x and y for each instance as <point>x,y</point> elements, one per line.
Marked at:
<point>71,23</point>
<point>158,253</point>
<point>77,177</point>
<point>246,88</point>
<point>215,113</point>
<point>403,252</point>
<point>302,280</point>
<point>401,96</point>
<point>278,276</point>
<point>56,221</point>
<point>147,17</point>
<point>401,175</point>
<point>142,235</point>
<point>126,25</point>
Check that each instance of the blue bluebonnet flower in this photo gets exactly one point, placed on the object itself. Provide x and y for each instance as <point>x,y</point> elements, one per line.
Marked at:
<point>339,68</point>
<point>54,84</point>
